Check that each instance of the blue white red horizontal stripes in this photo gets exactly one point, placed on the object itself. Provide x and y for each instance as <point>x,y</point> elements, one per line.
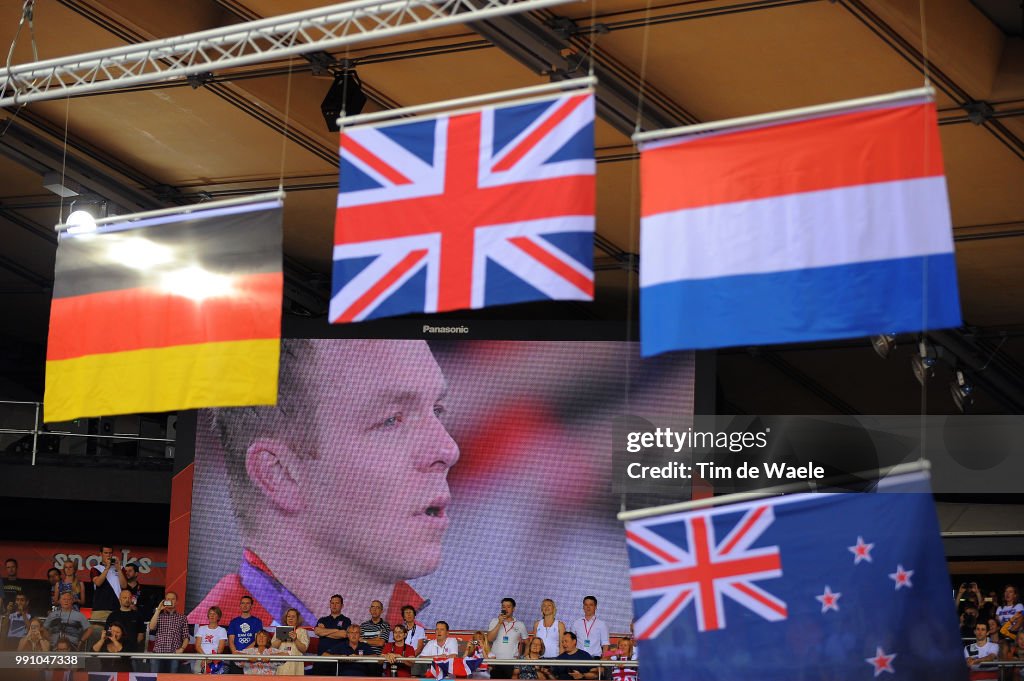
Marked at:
<point>489,207</point>
<point>833,227</point>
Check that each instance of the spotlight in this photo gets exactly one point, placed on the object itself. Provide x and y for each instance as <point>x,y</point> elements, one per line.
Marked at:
<point>345,94</point>
<point>962,391</point>
<point>80,222</point>
<point>923,362</point>
<point>883,344</point>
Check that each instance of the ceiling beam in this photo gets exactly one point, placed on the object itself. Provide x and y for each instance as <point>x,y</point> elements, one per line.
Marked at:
<point>562,55</point>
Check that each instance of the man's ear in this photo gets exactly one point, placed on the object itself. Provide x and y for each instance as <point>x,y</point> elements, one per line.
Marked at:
<point>270,465</point>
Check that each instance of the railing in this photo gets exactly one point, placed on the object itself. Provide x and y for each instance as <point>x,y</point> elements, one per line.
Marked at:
<point>7,659</point>
<point>39,441</point>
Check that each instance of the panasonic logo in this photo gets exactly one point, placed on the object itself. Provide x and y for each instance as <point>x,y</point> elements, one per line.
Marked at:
<point>445,329</point>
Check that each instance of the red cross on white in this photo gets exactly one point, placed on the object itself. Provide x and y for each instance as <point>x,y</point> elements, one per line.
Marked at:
<point>881,661</point>
<point>861,551</point>
<point>829,600</point>
<point>901,577</point>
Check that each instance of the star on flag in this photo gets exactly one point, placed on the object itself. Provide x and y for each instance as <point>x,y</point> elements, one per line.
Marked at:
<point>901,577</point>
<point>881,661</point>
<point>861,551</point>
<point>829,600</point>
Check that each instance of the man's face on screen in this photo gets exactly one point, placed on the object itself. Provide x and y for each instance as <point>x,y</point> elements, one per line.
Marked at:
<point>382,456</point>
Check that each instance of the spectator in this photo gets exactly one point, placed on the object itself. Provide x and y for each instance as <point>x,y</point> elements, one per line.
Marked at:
<point>1011,610</point>
<point>549,629</point>
<point>130,621</point>
<point>402,458</point>
<point>571,652</point>
<point>35,640</point>
<point>1015,653</point>
<point>399,647</point>
<point>66,622</point>
<point>535,650</point>
<point>993,629</point>
<point>243,629</point>
<point>353,646</point>
<point>69,582</point>
<point>171,631</point>
<point>332,629</point>
<point>131,578</point>
<point>982,650</point>
<point>506,635</point>
<point>416,635</point>
<point>968,618</point>
<point>479,648</point>
<point>112,640</point>
<point>441,645</point>
<point>623,651</point>
<point>211,639</point>
<point>10,585</point>
<point>17,622</point>
<point>591,632</point>
<point>260,652</point>
<point>107,582</point>
<point>296,642</point>
<point>375,630</point>
<point>53,576</point>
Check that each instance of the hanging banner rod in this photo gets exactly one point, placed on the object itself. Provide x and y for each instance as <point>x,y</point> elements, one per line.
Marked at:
<point>182,210</point>
<point>919,466</point>
<point>464,102</point>
<point>774,116</point>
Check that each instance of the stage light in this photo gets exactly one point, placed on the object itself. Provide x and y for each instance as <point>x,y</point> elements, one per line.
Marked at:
<point>962,391</point>
<point>923,362</point>
<point>81,222</point>
<point>345,94</point>
<point>883,344</point>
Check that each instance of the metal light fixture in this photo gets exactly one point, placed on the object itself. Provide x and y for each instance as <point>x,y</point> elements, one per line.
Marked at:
<point>923,363</point>
<point>883,344</point>
<point>345,94</point>
<point>962,391</point>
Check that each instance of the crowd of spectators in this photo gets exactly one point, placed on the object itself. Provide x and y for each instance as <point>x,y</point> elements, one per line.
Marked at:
<point>991,627</point>
<point>122,622</point>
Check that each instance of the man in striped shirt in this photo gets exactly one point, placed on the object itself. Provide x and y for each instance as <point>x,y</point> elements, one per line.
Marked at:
<point>375,631</point>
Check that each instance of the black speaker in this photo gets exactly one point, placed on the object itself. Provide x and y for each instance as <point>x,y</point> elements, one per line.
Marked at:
<point>346,93</point>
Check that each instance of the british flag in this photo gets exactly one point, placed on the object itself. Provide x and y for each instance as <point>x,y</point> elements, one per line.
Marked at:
<point>705,572</point>
<point>467,210</point>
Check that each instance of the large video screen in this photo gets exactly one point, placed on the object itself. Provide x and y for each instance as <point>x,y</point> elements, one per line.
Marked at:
<point>446,475</point>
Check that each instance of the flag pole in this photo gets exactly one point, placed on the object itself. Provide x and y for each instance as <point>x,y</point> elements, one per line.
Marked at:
<point>919,466</point>
<point>462,102</point>
<point>182,210</point>
<point>785,114</point>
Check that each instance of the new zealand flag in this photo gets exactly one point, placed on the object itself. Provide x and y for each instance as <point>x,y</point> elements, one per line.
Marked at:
<point>810,586</point>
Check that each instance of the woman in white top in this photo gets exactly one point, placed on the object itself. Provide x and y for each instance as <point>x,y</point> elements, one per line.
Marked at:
<point>415,635</point>
<point>549,629</point>
<point>211,638</point>
<point>295,643</point>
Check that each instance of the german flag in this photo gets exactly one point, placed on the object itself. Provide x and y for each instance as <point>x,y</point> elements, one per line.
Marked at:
<point>167,313</point>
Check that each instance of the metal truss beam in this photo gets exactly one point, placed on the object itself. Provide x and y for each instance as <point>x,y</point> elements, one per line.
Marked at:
<point>244,44</point>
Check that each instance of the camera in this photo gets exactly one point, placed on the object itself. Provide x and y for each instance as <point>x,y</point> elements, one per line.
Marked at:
<point>168,603</point>
<point>503,612</point>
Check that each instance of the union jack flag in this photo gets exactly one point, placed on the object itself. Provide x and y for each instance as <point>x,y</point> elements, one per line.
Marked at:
<point>490,207</point>
<point>706,571</point>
